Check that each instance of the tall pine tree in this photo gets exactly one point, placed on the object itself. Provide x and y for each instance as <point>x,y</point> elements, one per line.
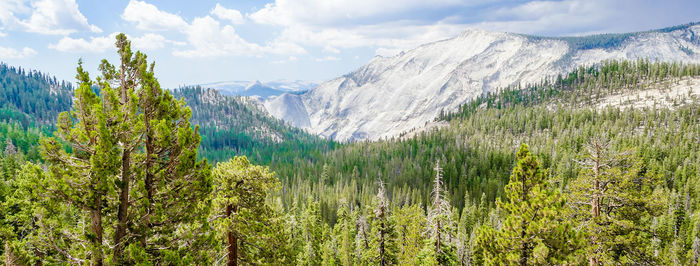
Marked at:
<point>383,244</point>
<point>535,230</point>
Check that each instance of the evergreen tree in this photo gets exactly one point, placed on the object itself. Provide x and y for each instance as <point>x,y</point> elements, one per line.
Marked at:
<point>312,236</point>
<point>83,178</point>
<point>344,235</point>
<point>439,247</point>
<point>133,157</point>
<point>535,230</point>
<point>465,231</point>
<point>241,189</point>
<point>410,224</point>
<point>362,240</point>
<point>10,148</point>
<point>383,248</point>
<point>614,198</point>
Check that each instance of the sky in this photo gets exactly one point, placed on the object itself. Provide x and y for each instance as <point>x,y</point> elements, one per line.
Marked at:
<point>203,41</point>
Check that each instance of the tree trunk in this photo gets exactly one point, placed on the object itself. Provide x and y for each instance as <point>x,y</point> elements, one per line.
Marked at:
<point>382,261</point>
<point>232,241</point>
<point>9,257</point>
<point>122,216</point>
<point>437,238</point>
<point>595,202</point>
<point>96,226</point>
<point>524,247</point>
<point>150,186</point>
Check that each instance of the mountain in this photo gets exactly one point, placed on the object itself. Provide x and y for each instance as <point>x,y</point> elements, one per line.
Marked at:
<point>261,89</point>
<point>31,101</point>
<point>236,125</point>
<point>32,97</point>
<point>391,95</point>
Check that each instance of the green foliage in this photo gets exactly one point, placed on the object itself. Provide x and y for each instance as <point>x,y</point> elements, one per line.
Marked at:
<point>232,126</point>
<point>439,246</point>
<point>30,97</point>
<point>327,210</point>
<point>383,246</point>
<point>241,190</point>
<point>344,233</point>
<point>135,141</point>
<point>410,224</point>
<point>312,235</point>
<point>536,229</point>
<point>616,198</point>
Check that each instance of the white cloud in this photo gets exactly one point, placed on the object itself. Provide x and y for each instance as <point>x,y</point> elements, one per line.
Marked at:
<point>209,39</point>
<point>232,15</point>
<point>80,45</point>
<point>329,49</point>
<point>387,38</point>
<point>59,17</point>
<point>335,25</point>
<point>289,59</point>
<point>8,11</point>
<point>393,26</point>
<point>11,53</point>
<point>151,41</point>
<point>206,36</point>
<point>149,17</point>
<point>322,12</point>
<point>283,47</point>
<point>544,16</point>
<point>327,58</point>
<point>102,44</point>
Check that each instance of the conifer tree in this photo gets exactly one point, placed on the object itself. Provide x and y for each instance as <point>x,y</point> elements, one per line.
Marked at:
<point>465,229</point>
<point>439,247</point>
<point>535,230</point>
<point>312,235</point>
<point>614,197</point>
<point>132,165</point>
<point>344,234</point>
<point>362,240</point>
<point>382,247</point>
<point>83,178</point>
<point>410,224</point>
<point>329,249</point>
<point>241,189</point>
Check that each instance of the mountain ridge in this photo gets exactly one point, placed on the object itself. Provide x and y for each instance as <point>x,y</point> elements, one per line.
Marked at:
<point>260,89</point>
<point>391,95</point>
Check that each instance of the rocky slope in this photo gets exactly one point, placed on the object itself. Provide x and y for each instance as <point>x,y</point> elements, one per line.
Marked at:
<point>395,94</point>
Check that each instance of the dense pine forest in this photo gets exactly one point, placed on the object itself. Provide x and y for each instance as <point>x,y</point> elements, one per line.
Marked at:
<point>232,126</point>
<point>130,173</point>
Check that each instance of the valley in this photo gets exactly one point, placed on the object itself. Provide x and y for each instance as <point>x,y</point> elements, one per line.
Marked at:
<point>488,148</point>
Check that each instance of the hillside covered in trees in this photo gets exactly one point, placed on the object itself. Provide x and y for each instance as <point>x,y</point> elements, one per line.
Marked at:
<point>232,126</point>
<point>534,174</point>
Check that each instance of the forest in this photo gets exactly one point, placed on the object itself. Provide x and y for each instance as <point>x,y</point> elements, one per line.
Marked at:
<point>129,173</point>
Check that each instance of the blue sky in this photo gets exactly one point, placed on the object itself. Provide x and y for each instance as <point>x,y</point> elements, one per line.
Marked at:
<point>206,41</point>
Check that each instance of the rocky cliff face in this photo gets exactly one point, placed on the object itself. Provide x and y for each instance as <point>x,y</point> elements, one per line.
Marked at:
<point>391,95</point>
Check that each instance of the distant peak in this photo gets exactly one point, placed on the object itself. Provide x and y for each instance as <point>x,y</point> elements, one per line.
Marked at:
<point>253,84</point>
